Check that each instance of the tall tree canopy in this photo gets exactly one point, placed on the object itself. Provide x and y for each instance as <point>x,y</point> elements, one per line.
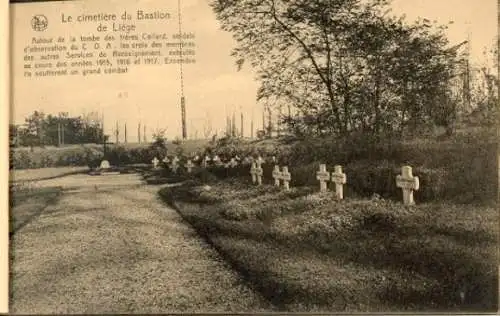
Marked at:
<point>344,65</point>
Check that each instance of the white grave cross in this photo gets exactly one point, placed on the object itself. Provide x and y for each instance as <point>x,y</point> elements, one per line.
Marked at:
<point>217,161</point>
<point>340,179</point>
<point>322,176</point>
<point>189,166</point>
<point>408,183</point>
<point>253,172</point>
<point>286,177</point>
<point>205,161</point>
<point>276,175</point>
<point>175,164</point>
<point>233,163</point>
<point>259,171</point>
<point>155,162</point>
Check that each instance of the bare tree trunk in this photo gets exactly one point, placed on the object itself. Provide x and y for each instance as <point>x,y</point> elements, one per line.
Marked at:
<point>139,133</point>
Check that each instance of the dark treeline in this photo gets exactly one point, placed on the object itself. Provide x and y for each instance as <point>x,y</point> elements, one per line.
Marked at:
<point>40,129</point>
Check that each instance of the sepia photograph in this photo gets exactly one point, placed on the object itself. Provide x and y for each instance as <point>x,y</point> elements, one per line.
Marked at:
<point>253,156</point>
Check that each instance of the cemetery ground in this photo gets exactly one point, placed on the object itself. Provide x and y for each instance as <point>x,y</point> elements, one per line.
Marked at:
<point>44,173</point>
<point>302,250</point>
<point>100,244</point>
<point>305,251</point>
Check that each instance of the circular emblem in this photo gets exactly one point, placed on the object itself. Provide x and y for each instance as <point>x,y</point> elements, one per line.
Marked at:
<point>39,22</point>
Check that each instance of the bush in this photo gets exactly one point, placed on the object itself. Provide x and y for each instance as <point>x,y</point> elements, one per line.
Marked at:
<point>83,155</point>
<point>93,157</point>
<point>50,157</point>
<point>204,175</point>
<point>20,159</point>
<point>461,168</point>
<point>233,210</point>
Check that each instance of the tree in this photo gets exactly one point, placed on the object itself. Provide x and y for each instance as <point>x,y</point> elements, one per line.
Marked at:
<point>13,135</point>
<point>159,145</point>
<point>484,90</point>
<point>345,65</point>
<point>92,128</point>
<point>41,130</point>
<point>207,126</point>
<point>33,134</point>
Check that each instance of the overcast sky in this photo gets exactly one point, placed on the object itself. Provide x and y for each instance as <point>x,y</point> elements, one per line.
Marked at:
<point>212,85</point>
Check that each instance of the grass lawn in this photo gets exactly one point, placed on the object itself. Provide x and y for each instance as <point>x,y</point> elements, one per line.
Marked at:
<point>26,199</point>
<point>304,251</point>
<point>25,205</point>
<point>43,173</point>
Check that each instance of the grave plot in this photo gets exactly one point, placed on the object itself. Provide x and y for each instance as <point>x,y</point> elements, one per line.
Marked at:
<point>164,170</point>
<point>316,244</point>
<point>105,168</point>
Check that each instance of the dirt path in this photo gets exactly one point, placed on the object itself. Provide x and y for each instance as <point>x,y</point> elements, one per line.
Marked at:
<point>109,245</point>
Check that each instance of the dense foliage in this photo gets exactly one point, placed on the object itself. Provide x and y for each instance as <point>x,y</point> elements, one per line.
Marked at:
<point>345,66</point>
<point>53,130</point>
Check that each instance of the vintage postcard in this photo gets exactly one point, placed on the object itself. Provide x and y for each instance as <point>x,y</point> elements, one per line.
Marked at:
<point>223,156</point>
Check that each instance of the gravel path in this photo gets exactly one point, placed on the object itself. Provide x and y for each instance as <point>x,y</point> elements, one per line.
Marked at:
<point>118,249</point>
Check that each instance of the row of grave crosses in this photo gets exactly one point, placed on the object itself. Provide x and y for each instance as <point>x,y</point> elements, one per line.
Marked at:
<point>282,175</point>
<point>234,162</point>
<point>406,181</point>
<point>216,160</point>
<point>337,177</point>
<point>257,172</point>
<point>174,164</point>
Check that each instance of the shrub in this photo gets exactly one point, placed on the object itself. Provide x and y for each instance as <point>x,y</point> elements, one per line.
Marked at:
<point>117,156</point>
<point>204,175</point>
<point>84,155</point>
<point>234,210</point>
<point>93,157</point>
<point>21,159</point>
